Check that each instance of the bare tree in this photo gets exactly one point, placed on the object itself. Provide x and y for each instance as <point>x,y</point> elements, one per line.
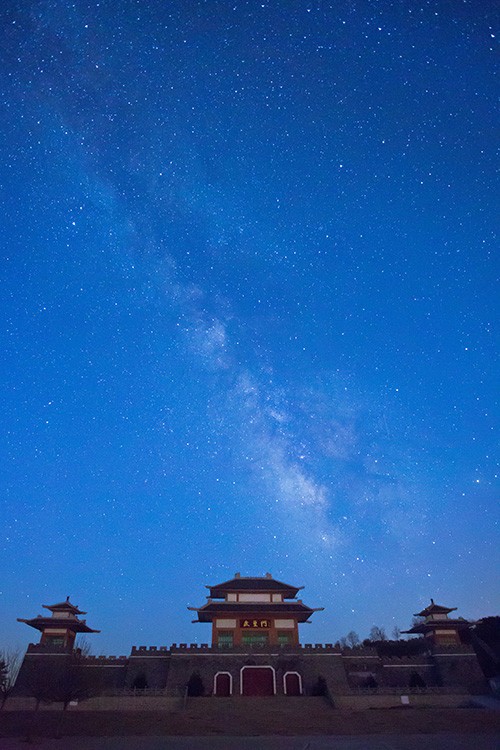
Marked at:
<point>352,639</point>
<point>377,634</point>
<point>84,647</point>
<point>10,662</point>
<point>396,633</point>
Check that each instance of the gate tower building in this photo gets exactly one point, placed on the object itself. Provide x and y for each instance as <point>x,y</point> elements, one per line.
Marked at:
<point>252,611</point>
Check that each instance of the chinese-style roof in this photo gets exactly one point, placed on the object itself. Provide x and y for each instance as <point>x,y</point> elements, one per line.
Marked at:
<point>253,583</point>
<point>64,607</point>
<point>429,627</point>
<point>242,609</point>
<point>434,609</point>
<point>68,619</point>
<point>41,623</point>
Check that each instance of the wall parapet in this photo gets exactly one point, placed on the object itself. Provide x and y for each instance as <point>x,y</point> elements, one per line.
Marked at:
<point>433,690</point>
<point>197,648</point>
<point>317,648</point>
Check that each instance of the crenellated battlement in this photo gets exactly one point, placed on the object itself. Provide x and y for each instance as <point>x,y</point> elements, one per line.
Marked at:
<point>150,651</point>
<point>260,648</point>
<point>207,648</point>
<point>317,648</point>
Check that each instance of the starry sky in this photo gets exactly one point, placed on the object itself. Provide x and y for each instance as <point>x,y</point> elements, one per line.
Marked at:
<point>247,309</point>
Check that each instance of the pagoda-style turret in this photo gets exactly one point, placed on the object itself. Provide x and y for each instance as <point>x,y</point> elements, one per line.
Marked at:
<point>254,612</point>
<point>440,629</point>
<point>61,628</point>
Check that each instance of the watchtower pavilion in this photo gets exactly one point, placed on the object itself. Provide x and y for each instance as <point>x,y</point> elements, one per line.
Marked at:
<point>60,629</point>
<point>440,629</point>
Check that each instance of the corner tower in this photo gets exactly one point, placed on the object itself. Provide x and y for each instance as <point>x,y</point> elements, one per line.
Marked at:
<point>252,611</point>
<point>59,630</point>
<point>437,627</point>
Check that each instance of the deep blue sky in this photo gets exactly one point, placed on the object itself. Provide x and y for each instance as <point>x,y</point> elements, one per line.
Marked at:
<point>247,311</point>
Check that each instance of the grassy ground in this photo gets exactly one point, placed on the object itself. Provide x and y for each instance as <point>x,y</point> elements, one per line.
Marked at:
<point>317,719</point>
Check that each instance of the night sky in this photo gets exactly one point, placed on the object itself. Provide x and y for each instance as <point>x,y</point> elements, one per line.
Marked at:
<point>247,308</point>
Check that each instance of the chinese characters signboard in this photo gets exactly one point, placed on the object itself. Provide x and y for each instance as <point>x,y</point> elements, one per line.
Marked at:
<point>250,623</point>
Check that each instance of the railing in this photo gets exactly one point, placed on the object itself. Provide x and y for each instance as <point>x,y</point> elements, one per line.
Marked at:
<point>402,690</point>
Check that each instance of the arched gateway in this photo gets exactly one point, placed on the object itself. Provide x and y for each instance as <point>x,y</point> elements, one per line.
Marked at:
<point>223,684</point>
<point>292,683</point>
<point>257,681</point>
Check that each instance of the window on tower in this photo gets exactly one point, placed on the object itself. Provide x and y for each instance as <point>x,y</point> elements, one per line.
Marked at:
<point>225,639</point>
<point>54,640</point>
<point>284,638</point>
<point>255,639</point>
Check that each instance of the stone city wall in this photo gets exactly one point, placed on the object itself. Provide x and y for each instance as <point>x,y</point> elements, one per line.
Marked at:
<point>322,667</point>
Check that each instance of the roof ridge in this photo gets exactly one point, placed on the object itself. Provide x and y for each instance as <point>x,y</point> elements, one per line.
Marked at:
<point>267,577</point>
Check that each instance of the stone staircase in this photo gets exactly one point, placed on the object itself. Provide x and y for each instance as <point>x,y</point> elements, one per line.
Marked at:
<point>270,715</point>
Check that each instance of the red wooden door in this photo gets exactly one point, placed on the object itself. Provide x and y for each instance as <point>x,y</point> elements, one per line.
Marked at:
<point>257,681</point>
<point>223,684</point>
<point>292,684</point>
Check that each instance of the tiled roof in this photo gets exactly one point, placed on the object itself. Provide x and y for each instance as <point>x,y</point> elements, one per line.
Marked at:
<point>253,583</point>
<point>64,607</point>
<point>434,609</point>
<point>77,626</point>
<point>214,609</point>
<point>425,627</point>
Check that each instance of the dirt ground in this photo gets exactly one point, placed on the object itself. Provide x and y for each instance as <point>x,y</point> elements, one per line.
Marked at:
<point>403,721</point>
